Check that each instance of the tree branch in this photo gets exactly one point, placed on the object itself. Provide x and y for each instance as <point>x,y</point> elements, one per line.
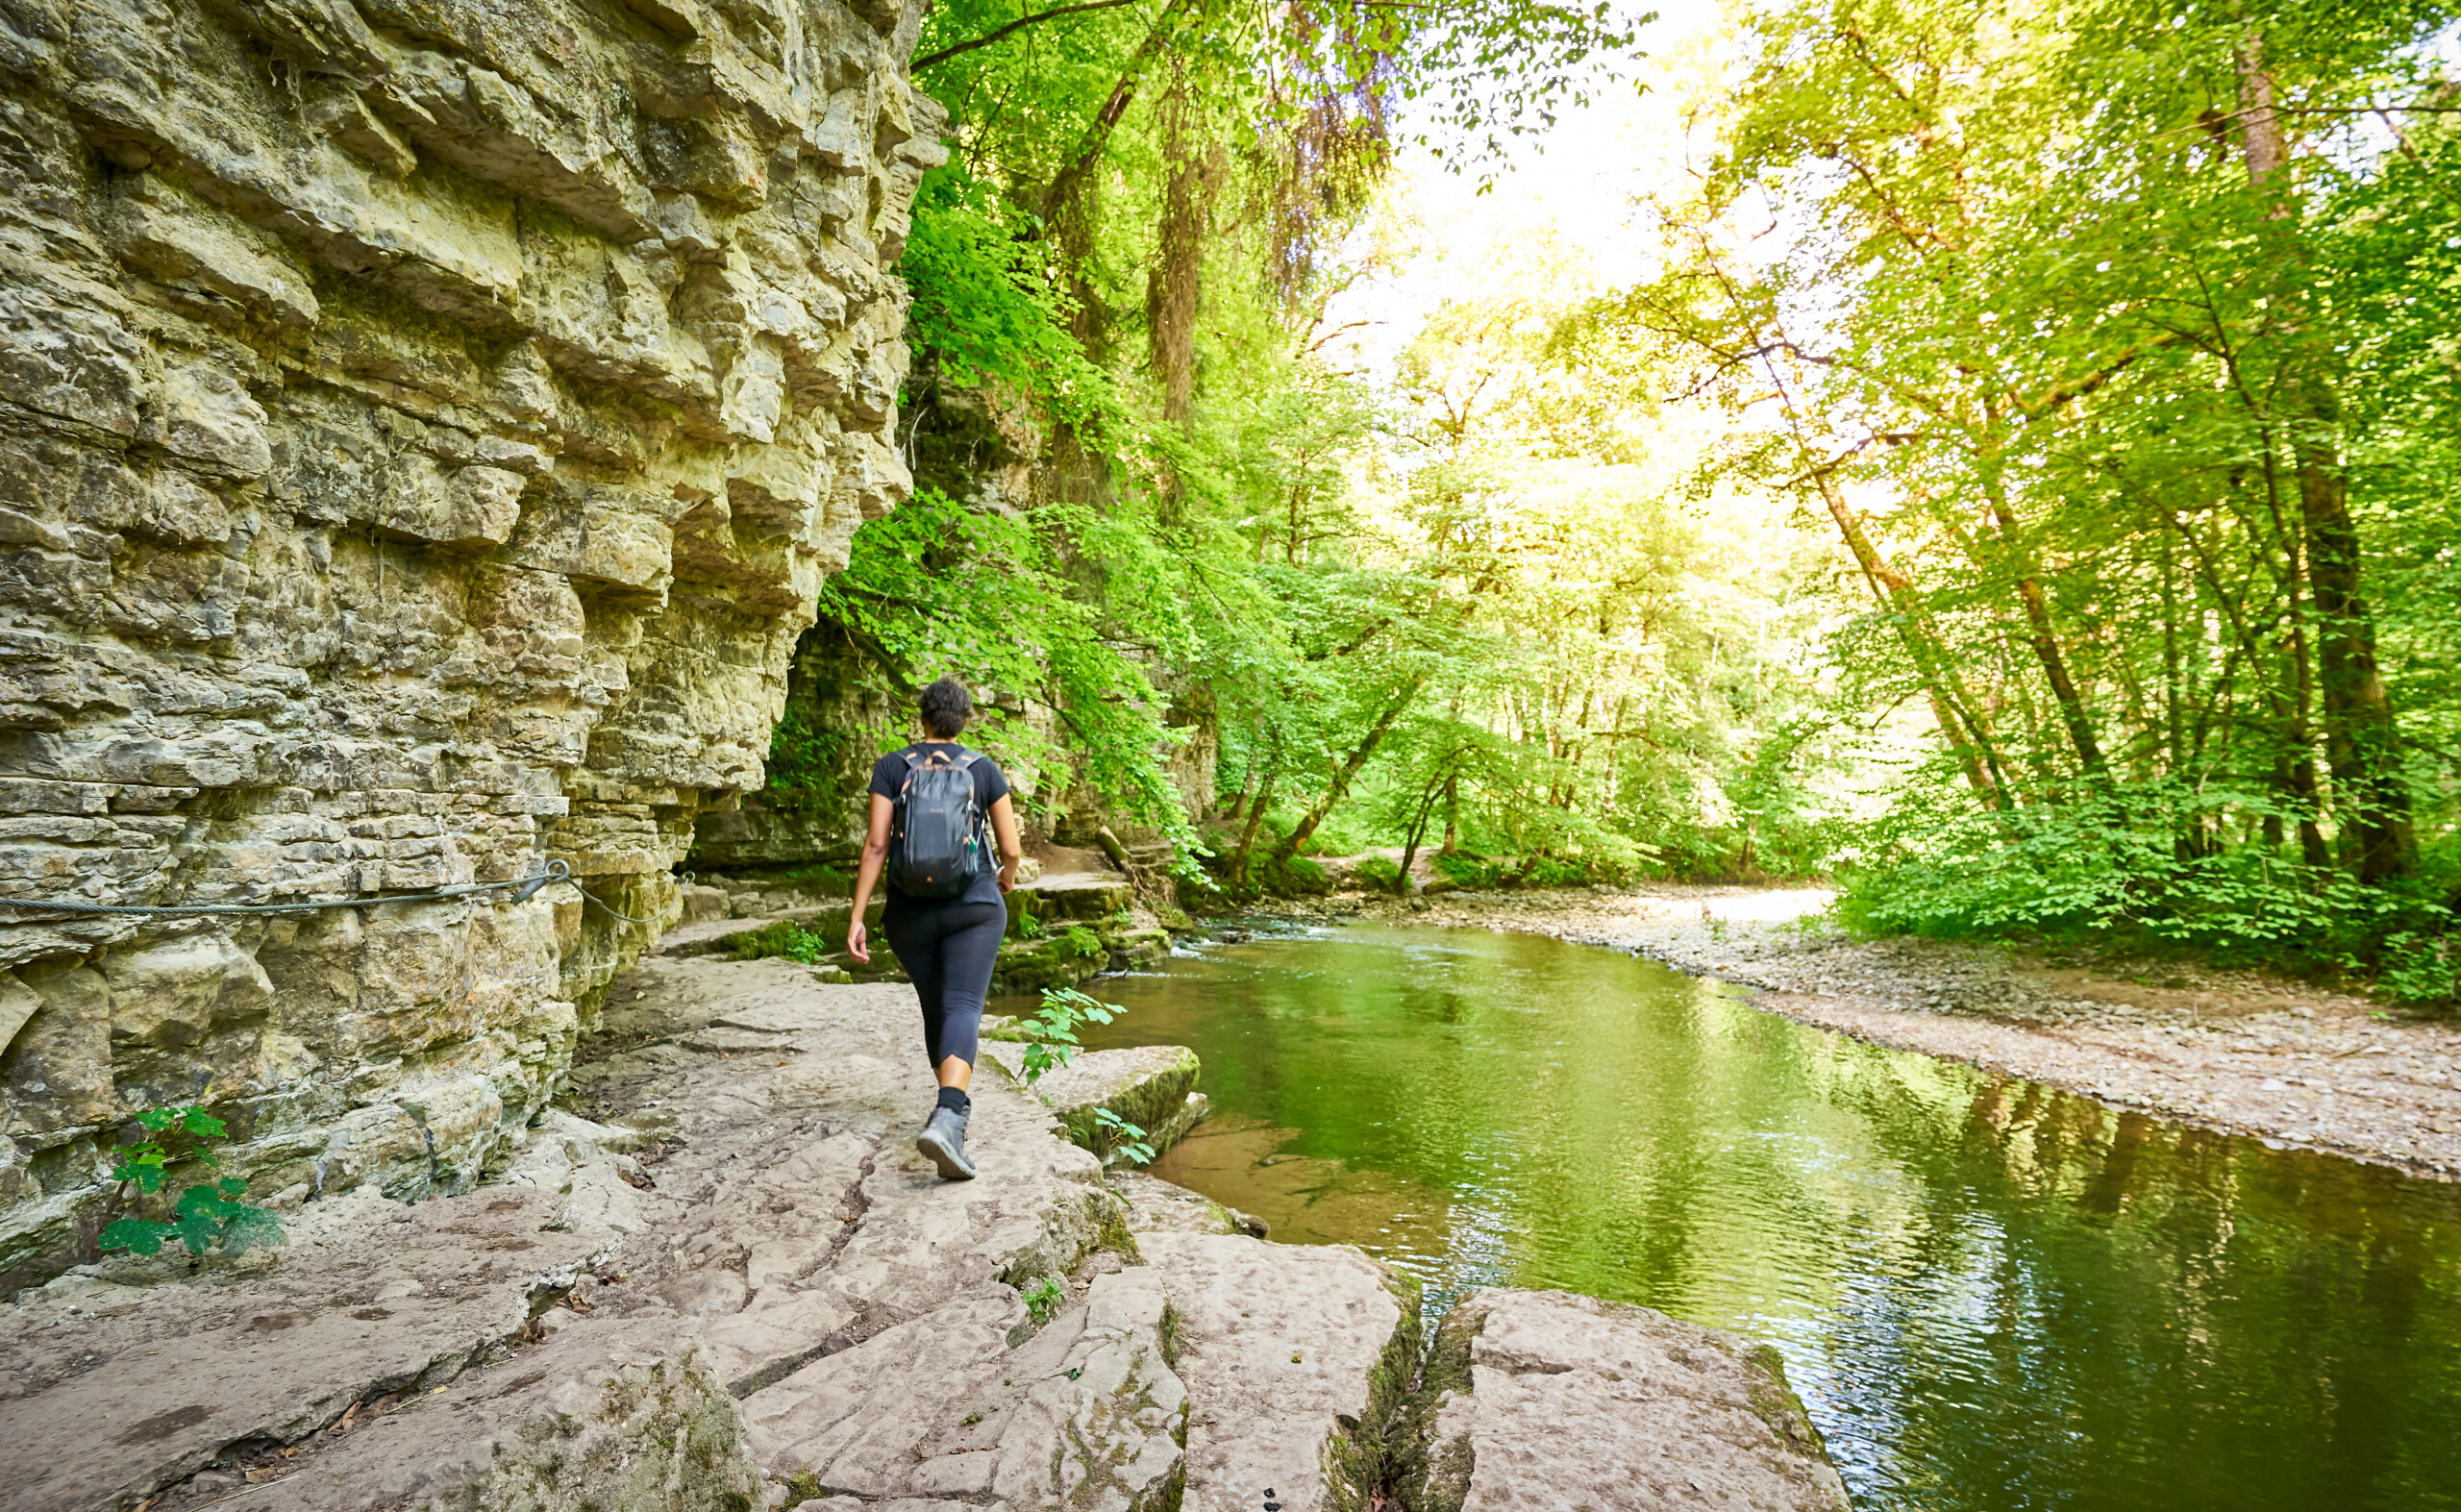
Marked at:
<point>929,59</point>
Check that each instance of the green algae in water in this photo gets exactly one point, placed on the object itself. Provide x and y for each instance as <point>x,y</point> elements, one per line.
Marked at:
<point>1991,1296</point>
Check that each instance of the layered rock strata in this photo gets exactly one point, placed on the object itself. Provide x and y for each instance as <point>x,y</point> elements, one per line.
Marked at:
<point>423,429</point>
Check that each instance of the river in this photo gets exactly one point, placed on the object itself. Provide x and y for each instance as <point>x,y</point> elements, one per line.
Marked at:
<point>1990,1295</point>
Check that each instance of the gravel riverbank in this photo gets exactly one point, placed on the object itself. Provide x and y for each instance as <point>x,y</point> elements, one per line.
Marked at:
<point>2290,1063</point>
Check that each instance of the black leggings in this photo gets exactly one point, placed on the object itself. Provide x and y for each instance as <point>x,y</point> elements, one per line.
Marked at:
<point>948,952</point>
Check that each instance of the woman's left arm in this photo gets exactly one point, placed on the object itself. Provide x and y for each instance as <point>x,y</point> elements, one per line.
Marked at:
<point>867,875</point>
<point>1003,828</point>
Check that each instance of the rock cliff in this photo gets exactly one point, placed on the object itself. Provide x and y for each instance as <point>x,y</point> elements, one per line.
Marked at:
<point>423,427</point>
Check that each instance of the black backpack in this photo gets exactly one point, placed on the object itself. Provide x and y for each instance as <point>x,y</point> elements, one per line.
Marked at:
<point>936,842</point>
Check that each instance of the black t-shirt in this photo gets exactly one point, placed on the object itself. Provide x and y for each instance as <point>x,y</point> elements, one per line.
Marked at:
<point>990,785</point>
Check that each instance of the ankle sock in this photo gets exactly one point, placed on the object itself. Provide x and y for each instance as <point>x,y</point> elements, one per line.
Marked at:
<point>955,1101</point>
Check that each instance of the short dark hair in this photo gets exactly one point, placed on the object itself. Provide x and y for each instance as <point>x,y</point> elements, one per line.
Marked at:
<point>946,707</point>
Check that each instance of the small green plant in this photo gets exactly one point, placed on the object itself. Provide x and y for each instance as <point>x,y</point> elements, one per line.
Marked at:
<point>1030,927</point>
<point>785,938</point>
<point>1050,1031</point>
<point>1081,942</point>
<point>1125,1139</point>
<point>207,1214</point>
<point>1043,1298</point>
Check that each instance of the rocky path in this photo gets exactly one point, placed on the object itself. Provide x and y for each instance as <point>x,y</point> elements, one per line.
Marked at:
<point>719,1276</point>
<point>2233,1051</point>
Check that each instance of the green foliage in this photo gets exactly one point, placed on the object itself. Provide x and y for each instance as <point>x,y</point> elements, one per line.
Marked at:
<point>1272,872</point>
<point>1483,873</point>
<point>786,938</point>
<point>1043,1298</point>
<point>2421,969</point>
<point>1079,942</point>
<point>1050,1030</point>
<point>1063,222</point>
<point>808,762</point>
<point>2127,399</point>
<point>1118,1136</point>
<point>936,588</point>
<point>205,1215</point>
<point>1030,927</point>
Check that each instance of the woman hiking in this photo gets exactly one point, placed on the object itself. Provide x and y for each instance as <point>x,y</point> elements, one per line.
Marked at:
<point>944,917</point>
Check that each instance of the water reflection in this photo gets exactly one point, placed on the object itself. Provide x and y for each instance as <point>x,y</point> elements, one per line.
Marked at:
<point>1991,1295</point>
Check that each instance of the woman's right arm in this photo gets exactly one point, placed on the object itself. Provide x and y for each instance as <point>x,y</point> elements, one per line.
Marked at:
<point>869,876</point>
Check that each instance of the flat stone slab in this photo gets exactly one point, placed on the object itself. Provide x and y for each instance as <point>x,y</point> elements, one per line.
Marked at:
<point>615,1421</point>
<point>1075,897</point>
<point>1158,1206</point>
<point>1292,1355</point>
<point>1548,1399</point>
<point>121,1377</point>
<point>1084,1414</point>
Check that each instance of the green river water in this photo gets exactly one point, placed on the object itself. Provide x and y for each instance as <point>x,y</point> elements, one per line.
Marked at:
<point>1990,1295</point>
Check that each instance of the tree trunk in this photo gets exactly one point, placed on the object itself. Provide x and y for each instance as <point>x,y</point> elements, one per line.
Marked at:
<point>1256,818</point>
<point>1067,205</point>
<point>1305,829</point>
<point>1966,733</point>
<point>2362,740</point>
<point>1174,287</point>
<point>2362,744</point>
<point>2042,636</point>
<point>1418,831</point>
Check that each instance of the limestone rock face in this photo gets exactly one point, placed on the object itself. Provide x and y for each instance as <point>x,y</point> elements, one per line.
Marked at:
<point>1639,1411</point>
<point>423,431</point>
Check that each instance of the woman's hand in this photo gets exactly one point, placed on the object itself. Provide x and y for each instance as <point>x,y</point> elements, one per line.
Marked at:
<point>1007,876</point>
<point>858,942</point>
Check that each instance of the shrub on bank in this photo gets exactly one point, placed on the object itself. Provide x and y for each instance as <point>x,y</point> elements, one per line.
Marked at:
<point>2115,865</point>
<point>1495,874</point>
<point>1377,873</point>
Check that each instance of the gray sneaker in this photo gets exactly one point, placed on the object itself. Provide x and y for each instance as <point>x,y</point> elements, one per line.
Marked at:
<point>943,1139</point>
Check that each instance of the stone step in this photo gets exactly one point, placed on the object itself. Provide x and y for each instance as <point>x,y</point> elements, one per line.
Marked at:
<point>1153,1087</point>
<point>1158,1206</point>
<point>1071,898</point>
<point>577,1422</point>
<point>1641,1411</point>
